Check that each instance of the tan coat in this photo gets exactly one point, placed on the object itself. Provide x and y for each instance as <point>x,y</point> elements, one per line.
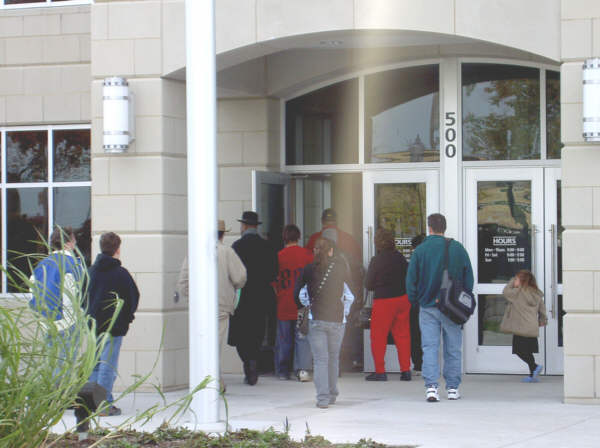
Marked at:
<point>231,276</point>
<point>525,311</point>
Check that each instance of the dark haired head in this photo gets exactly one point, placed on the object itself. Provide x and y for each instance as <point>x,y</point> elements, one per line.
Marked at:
<point>61,236</point>
<point>384,239</point>
<point>437,222</point>
<point>110,243</point>
<point>321,250</point>
<point>291,234</point>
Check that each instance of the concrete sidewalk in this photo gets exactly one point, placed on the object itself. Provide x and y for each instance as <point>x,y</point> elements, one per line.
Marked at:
<point>495,411</point>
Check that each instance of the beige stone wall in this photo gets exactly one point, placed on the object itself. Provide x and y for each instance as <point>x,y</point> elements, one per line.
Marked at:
<point>45,65</point>
<point>247,139</point>
<point>142,194</point>
<point>508,22</point>
<point>580,25</point>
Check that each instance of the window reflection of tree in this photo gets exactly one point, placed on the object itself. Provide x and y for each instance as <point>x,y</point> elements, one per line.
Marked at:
<point>26,156</point>
<point>71,155</point>
<point>400,208</point>
<point>504,208</point>
<point>501,119</point>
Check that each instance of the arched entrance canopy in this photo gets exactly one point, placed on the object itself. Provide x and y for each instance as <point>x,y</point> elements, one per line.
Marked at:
<point>280,66</point>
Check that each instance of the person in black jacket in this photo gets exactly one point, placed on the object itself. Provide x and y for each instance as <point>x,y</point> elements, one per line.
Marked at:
<point>108,280</point>
<point>391,308</point>
<point>247,326</point>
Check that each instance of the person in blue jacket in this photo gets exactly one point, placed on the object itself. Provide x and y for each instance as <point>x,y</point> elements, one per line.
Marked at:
<point>56,285</point>
<point>54,281</point>
<point>423,281</point>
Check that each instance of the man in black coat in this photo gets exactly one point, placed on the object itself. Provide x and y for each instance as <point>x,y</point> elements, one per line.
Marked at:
<point>248,322</point>
<point>109,280</point>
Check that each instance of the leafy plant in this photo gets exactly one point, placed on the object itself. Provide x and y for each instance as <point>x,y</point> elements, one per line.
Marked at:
<point>42,368</point>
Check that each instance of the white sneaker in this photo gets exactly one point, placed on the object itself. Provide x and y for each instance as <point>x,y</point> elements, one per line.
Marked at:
<point>303,376</point>
<point>453,394</point>
<point>431,394</point>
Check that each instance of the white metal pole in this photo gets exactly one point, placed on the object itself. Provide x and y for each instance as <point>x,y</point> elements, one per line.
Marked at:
<point>202,206</point>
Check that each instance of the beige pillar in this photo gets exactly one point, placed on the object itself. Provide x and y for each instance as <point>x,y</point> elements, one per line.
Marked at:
<point>580,20</point>
<point>141,194</point>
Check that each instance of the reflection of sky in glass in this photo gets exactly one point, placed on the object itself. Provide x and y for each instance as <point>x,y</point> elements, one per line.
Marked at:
<point>396,129</point>
<point>71,206</point>
<point>32,201</point>
<point>478,101</point>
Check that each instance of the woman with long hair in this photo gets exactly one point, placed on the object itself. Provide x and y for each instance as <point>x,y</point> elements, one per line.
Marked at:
<point>386,276</point>
<point>524,314</point>
<point>323,287</point>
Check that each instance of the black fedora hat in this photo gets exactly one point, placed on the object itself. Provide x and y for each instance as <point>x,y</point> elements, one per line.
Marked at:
<point>250,218</point>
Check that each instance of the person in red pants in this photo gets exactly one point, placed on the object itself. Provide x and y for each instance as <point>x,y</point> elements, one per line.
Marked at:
<point>391,309</point>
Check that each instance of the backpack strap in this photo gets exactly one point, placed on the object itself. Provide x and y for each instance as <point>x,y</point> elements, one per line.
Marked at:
<point>446,253</point>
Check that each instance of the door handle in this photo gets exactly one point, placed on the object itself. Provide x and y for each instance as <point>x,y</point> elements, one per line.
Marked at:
<point>534,232</point>
<point>553,273</point>
<point>370,245</point>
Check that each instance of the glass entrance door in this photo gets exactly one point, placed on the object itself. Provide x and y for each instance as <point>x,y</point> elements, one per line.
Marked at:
<point>553,286</point>
<point>399,201</point>
<point>509,222</point>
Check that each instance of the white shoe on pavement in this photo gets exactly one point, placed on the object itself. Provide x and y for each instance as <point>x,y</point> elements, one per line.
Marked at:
<point>303,376</point>
<point>431,394</point>
<point>453,394</point>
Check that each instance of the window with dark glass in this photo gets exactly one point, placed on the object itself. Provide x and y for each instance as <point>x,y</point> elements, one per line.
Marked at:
<point>26,228</point>
<point>553,142</point>
<point>402,119</point>
<point>503,229</point>
<point>37,201</point>
<point>500,112</point>
<point>321,127</point>
<point>26,156</point>
<point>71,155</point>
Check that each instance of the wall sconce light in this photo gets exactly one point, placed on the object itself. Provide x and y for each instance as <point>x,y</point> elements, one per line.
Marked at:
<point>591,100</point>
<point>119,120</point>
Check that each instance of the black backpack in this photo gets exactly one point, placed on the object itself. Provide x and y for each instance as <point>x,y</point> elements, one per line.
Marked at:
<point>456,303</point>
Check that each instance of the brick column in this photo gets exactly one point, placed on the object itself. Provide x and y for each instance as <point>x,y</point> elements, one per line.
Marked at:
<point>141,194</point>
<point>580,20</point>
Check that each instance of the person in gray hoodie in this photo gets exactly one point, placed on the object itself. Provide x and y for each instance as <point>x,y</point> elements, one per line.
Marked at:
<point>524,314</point>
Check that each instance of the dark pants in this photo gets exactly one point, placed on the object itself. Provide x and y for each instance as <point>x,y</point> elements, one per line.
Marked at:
<point>529,360</point>
<point>416,351</point>
<point>249,340</point>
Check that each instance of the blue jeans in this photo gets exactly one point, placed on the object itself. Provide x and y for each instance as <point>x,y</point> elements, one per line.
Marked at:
<point>105,371</point>
<point>325,342</point>
<point>67,343</point>
<point>433,323</point>
<point>288,340</point>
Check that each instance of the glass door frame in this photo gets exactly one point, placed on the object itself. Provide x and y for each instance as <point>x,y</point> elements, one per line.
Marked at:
<point>431,178</point>
<point>432,203</point>
<point>499,359</point>
<point>554,364</point>
<point>260,178</point>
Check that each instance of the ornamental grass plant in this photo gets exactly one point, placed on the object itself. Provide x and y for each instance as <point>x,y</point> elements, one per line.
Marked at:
<point>42,368</point>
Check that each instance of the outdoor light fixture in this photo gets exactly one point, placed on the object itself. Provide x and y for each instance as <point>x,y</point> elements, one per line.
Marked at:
<point>119,123</point>
<point>591,100</point>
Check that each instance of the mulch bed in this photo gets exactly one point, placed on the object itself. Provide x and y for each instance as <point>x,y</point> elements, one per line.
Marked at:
<point>165,437</point>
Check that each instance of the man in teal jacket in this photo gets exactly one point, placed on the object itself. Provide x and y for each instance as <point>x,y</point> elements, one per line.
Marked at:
<point>423,281</point>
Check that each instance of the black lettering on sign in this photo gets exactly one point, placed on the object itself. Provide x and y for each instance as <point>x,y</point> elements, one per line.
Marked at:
<point>450,134</point>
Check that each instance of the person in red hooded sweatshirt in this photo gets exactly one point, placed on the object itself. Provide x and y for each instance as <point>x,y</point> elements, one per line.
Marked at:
<point>291,344</point>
